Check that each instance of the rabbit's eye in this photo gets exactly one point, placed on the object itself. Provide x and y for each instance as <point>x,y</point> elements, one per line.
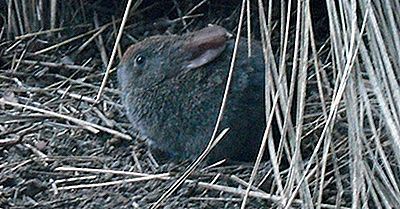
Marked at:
<point>140,60</point>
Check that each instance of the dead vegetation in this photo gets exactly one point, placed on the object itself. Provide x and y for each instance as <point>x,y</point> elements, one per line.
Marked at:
<point>60,148</point>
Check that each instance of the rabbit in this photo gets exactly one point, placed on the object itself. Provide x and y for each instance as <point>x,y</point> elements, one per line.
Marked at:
<point>172,87</point>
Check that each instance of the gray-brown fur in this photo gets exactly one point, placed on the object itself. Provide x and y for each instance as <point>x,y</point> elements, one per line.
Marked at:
<point>175,105</point>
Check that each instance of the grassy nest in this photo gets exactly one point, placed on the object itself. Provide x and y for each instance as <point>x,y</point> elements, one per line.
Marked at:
<point>64,145</point>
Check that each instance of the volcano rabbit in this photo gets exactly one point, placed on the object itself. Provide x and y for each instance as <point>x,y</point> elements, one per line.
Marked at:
<point>172,87</point>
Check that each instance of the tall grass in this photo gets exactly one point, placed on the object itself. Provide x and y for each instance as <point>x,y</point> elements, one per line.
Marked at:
<point>360,166</point>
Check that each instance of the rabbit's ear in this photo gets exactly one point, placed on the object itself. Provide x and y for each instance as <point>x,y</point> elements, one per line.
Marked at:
<point>205,45</point>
